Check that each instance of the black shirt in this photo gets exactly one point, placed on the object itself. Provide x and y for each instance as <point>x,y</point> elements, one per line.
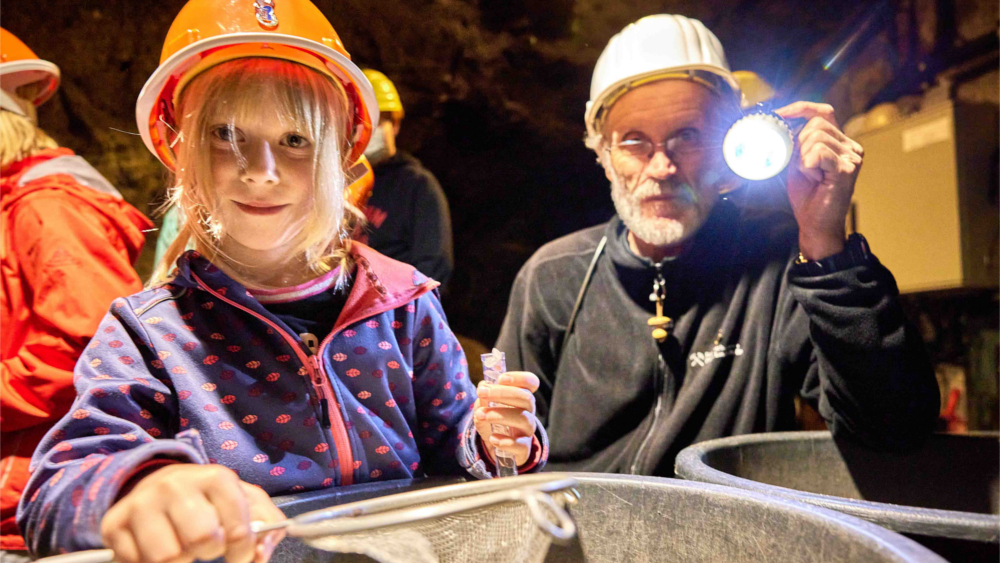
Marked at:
<point>408,217</point>
<point>315,315</point>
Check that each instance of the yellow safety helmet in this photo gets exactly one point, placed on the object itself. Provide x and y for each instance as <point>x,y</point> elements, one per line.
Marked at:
<point>385,94</point>
<point>754,88</point>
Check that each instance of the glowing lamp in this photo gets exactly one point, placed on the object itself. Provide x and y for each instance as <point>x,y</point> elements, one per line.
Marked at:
<point>758,146</point>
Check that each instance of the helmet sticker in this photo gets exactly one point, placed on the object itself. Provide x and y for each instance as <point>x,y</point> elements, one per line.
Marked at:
<point>265,13</point>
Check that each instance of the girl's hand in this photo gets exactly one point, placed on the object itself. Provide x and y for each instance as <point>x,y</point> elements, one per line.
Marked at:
<point>185,512</point>
<point>515,392</point>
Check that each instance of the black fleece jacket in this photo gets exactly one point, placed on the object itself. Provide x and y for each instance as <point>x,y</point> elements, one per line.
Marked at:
<point>752,331</point>
<point>408,217</point>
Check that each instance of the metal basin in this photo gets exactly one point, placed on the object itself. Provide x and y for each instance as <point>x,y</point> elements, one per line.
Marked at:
<point>648,519</point>
<point>945,495</point>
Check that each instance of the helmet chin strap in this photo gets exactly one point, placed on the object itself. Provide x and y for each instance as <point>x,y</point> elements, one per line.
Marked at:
<point>14,104</point>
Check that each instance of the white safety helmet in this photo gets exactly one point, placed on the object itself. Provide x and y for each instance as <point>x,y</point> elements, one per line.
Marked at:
<point>653,48</point>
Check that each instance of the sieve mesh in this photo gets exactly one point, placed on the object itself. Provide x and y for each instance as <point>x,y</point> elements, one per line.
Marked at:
<point>502,532</point>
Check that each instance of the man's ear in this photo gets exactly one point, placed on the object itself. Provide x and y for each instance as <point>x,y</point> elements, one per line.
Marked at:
<point>604,159</point>
<point>604,155</point>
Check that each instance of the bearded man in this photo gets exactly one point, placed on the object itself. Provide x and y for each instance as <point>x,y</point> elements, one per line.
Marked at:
<point>691,316</point>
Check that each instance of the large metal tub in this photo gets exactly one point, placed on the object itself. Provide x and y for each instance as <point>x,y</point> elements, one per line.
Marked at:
<point>648,519</point>
<point>944,495</point>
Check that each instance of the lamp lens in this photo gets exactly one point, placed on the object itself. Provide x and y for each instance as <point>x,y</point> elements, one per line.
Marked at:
<point>758,147</point>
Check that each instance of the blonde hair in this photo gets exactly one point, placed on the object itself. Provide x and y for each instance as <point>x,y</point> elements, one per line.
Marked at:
<point>20,138</point>
<point>304,97</point>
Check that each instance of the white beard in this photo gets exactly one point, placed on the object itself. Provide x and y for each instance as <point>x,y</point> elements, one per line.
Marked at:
<point>657,231</point>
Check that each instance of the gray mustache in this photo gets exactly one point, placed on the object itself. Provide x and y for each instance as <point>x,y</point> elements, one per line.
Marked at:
<point>653,189</point>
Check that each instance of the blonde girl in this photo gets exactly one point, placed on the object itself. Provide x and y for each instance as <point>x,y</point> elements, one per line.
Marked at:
<point>277,356</point>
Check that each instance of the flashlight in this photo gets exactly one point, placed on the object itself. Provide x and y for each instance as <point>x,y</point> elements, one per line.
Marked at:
<point>758,146</point>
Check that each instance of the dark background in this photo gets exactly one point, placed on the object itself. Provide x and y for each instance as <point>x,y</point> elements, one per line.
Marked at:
<point>495,91</point>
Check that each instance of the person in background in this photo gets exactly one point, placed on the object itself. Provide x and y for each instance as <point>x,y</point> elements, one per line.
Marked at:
<point>279,355</point>
<point>688,317</point>
<point>69,242</point>
<point>408,217</point>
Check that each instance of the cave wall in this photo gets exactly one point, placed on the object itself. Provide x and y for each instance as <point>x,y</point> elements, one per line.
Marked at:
<point>494,92</point>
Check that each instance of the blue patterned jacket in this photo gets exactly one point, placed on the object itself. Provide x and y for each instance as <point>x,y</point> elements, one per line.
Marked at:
<point>197,371</point>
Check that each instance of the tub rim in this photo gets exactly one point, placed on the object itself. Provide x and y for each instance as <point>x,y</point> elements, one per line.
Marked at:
<point>690,464</point>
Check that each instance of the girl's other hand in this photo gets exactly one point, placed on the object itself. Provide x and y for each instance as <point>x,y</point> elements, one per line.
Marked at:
<point>185,512</point>
<point>514,394</point>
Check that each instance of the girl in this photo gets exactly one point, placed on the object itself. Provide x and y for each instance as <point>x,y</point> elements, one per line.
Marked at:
<point>278,356</point>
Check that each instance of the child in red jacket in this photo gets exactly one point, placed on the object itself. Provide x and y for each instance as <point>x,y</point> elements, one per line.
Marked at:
<point>69,242</point>
<point>278,356</point>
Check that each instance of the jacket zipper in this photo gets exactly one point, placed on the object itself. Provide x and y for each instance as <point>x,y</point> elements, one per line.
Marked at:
<point>321,378</point>
<point>658,388</point>
<point>317,376</point>
<point>659,289</point>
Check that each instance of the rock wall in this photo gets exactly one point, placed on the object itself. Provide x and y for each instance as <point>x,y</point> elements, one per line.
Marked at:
<point>494,92</point>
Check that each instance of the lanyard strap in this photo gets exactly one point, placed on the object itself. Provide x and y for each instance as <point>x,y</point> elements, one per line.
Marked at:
<point>584,285</point>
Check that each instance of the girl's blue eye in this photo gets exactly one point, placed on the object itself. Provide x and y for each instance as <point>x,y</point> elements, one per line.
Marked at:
<point>226,133</point>
<point>296,141</point>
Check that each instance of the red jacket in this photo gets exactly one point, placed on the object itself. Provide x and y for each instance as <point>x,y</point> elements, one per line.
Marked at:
<point>69,242</point>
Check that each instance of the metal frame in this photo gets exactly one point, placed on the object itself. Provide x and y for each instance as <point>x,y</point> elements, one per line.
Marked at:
<point>409,507</point>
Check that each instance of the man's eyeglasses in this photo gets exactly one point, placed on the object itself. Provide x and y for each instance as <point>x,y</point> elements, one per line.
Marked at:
<point>681,144</point>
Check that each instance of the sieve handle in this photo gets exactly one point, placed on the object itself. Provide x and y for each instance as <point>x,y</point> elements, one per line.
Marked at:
<point>565,530</point>
<point>90,556</point>
<point>108,556</point>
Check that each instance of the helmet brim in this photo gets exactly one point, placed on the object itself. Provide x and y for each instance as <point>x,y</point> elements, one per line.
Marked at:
<point>15,74</point>
<point>600,105</point>
<point>152,94</point>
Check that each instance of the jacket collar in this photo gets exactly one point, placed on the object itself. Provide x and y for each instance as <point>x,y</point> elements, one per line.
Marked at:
<point>713,243</point>
<point>701,267</point>
<point>39,157</point>
<point>380,284</point>
<point>12,173</point>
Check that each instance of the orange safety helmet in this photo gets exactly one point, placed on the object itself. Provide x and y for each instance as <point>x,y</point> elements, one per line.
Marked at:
<point>20,66</point>
<point>208,32</point>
